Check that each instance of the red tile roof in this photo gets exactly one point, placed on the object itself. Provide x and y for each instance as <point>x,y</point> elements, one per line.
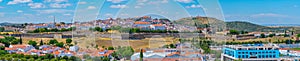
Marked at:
<point>10,48</point>
<point>157,24</point>
<point>141,22</point>
<point>2,37</point>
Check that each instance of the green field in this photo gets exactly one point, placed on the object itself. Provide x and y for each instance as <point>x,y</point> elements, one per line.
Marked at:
<point>294,48</point>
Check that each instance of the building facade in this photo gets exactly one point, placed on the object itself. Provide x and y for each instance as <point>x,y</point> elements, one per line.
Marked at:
<point>251,52</point>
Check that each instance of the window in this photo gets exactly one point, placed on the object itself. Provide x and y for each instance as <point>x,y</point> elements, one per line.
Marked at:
<point>261,48</point>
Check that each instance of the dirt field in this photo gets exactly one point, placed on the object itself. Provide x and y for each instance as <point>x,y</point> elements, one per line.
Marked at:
<point>272,39</point>
<point>45,40</point>
<point>136,44</point>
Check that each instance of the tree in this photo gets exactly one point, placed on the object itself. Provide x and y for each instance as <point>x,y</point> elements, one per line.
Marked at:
<point>110,48</point>
<point>125,51</point>
<point>271,35</point>
<point>289,41</point>
<point>33,43</point>
<point>10,38</point>
<point>234,32</point>
<point>2,47</point>
<point>98,29</point>
<point>62,23</point>
<point>141,55</point>
<point>72,58</point>
<point>262,35</point>
<point>14,42</point>
<point>65,57</point>
<point>172,46</point>
<point>2,52</point>
<point>2,29</point>
<point>41,42</point>
<point>69,40</point>
<point>60,44</point>
<point>54,30</point>
<point>298,35</point>
<point>53,41</point>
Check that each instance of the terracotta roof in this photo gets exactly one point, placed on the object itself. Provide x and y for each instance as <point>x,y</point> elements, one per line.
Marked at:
<point>101,50</point>
<point>157,24</point>
<point>2,37</point>
<point>10,48</point>
<point>56,53</point>
<point>46,49</point>
<point>2,44</point>
<point>141,22</point>
<point>284,49</point>
<point>19,46</point>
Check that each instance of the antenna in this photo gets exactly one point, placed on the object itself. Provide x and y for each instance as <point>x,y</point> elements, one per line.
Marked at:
<point>54,22</point>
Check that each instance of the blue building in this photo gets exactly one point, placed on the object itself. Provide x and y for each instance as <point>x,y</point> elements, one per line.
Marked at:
<point>251,52</point>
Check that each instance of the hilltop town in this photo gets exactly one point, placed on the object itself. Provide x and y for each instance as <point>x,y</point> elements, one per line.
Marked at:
<point>145,38</point>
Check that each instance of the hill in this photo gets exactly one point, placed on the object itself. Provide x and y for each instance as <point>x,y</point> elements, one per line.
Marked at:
<point>245,26</point>
<point>202,22</point>
<point>221,25</point>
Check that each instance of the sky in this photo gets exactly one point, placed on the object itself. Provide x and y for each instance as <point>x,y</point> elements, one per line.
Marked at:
<point>255,11</point>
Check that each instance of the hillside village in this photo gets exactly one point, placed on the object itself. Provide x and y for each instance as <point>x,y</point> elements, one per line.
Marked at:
<point>77,41</point>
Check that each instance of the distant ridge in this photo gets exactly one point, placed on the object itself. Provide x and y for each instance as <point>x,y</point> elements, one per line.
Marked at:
<point>236,25</point>
<point>281,24</point>
<point>5,23</point>
<point>245,26</point>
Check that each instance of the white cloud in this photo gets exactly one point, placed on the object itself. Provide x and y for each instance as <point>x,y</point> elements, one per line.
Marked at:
<point>118,6</point>
<point>18,1</point>
<point>295,6</point>
<point>56,1</point>
<point>137,7</point>
<point>36,5</point>
<point>164,1</point>
<point>108,15</point>
<point>185,1</point>
<point>267,15</point>
<point>53,11</point>
<point>67,14</point>
<point>19,11</point>
<point>194,6</point>
<point>57,5</point>
<point>115,1</point>
<point>82,2</point>
<point>0,0</point>
<point>1,14</point>
<point>91,7</point>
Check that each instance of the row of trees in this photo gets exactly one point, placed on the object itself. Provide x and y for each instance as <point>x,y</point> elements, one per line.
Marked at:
<point>248,42</point>
<point>131,30</point>
<point>47,57</point>
<point>261,42</point>
<point>51,42</point>
<point>8,40</point>
<point>287,41</point>
<point>2,29</point>
<point>169,46</point>
<point>39,30</point>
<point>236,32</point>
